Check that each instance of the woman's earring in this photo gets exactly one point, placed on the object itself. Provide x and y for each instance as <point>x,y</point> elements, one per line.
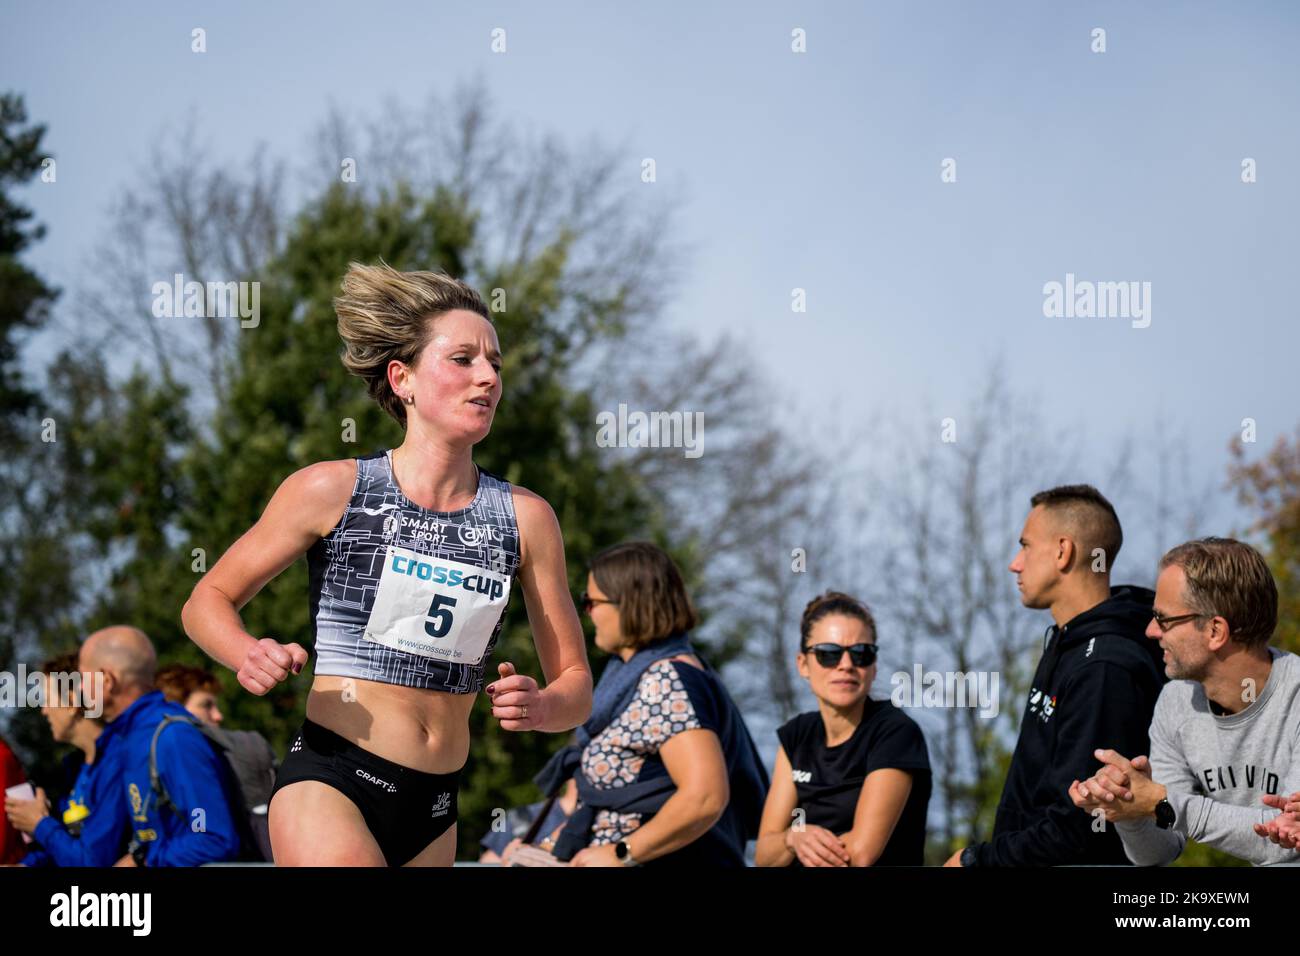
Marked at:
<point>409,399</point>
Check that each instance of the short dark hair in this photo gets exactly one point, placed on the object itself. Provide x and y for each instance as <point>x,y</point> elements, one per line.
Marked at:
<point>833,602</point>
<point>648,588</point>
<point>1089,516</point>
<point>1228,579</point>
<point>61,664</point>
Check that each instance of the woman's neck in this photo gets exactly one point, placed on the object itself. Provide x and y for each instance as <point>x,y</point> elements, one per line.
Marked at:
<point>433,474</point>
<point>84,737</point>
<point>840,723</point>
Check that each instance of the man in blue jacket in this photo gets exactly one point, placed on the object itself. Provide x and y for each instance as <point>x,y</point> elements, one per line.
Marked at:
<point>91,827</point>
<point>202,826</point>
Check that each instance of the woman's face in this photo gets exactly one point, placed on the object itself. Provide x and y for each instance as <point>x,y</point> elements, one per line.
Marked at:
<point>203,705</point>
<point>843,685</point>
<point>456,380</point>
<point>605,616</point>
<point>62,719</point>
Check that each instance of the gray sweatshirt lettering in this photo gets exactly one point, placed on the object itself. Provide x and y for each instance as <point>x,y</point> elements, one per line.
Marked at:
<point>1216,769</point>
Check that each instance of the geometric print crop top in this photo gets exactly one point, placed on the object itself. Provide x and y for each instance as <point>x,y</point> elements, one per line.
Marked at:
<point>404,595</point>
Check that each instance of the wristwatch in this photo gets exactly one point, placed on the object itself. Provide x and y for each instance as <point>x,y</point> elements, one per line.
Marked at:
<point>1165,815</point>
<point>968,857</point>
<point>623,851</point>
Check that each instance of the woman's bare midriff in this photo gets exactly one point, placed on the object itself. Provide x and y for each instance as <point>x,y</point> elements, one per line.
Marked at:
<point>426,730</point>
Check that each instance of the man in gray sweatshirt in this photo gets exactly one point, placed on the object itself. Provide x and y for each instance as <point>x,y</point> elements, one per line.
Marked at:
<point>1226,730</point>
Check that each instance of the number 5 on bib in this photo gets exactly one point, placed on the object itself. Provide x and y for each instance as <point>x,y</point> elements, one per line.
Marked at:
<point>436,607</point>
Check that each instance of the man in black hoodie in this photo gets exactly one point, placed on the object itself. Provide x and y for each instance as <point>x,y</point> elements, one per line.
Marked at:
<point>1095,687</point>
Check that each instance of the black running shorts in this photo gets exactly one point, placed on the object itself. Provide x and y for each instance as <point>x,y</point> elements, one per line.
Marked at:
<point>405,809</point>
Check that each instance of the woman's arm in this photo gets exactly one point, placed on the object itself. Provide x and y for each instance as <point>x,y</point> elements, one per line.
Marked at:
<point>880,805</point>
<point>565,702</point>
<point>694,760</point>
<point>304,508</point>
<point>779,841</point>
<point>778,812</point>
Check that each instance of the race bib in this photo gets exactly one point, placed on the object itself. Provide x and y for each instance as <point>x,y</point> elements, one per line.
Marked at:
<point>436,607</point>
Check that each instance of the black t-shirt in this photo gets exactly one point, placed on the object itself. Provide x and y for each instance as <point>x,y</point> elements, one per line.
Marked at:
<point>828,780</point>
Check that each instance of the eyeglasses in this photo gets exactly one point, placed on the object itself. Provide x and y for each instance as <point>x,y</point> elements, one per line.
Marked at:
<point>587,602</point>
<point>1165,623</point>
<point>830,655</point>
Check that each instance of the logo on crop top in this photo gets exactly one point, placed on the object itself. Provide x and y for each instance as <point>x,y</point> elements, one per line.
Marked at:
<point>452,577</point>
<point>376,512</point>
<point>391,788</point>
<point>475,536</point>
<point>801,776</point>
<point>442,805</point>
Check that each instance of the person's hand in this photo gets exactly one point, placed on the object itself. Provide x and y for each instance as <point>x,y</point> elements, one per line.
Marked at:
<point>817,846</point>
<point>955,859</point>
<point>602,855</point>
<point>1284,829</point>
<point>1123,788</point>
<point>510,848</point>
<point>1110,783</point>
<point>1281,830</point>
<point>1083,798</point>
<point>25,814</point>
<point>516,700</point>
<point>267,663</point>
<point>1289,804</point>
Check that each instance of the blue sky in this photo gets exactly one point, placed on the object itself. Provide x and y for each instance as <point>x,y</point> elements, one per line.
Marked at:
<point>817,170</point>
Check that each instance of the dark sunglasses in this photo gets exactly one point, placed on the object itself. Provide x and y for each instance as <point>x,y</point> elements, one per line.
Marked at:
<point>830,655</point>
<point>587,602</point>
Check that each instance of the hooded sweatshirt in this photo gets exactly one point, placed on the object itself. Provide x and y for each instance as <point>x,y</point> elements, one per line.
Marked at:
<point>1096,686</point>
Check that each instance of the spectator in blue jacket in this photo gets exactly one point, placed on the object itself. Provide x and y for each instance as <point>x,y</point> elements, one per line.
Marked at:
<point>91,826</point>
<point>202,825</point>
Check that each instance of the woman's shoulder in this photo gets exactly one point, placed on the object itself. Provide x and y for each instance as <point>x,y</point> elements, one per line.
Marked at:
<point>888,729</point>
<point>685,668</point>
<point>529,505</point>
<point>535,519</point>
<point>318,494</point>
<point>324,480</point>
<point>798,727</point>
<point>675,679</point>
<point>884,715</point>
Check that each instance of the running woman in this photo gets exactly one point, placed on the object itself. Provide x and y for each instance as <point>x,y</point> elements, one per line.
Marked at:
<point>411,553</point>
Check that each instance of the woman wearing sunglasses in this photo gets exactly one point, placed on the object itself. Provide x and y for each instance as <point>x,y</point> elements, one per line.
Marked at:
<point>852,778</point>
<point>667,773</point>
